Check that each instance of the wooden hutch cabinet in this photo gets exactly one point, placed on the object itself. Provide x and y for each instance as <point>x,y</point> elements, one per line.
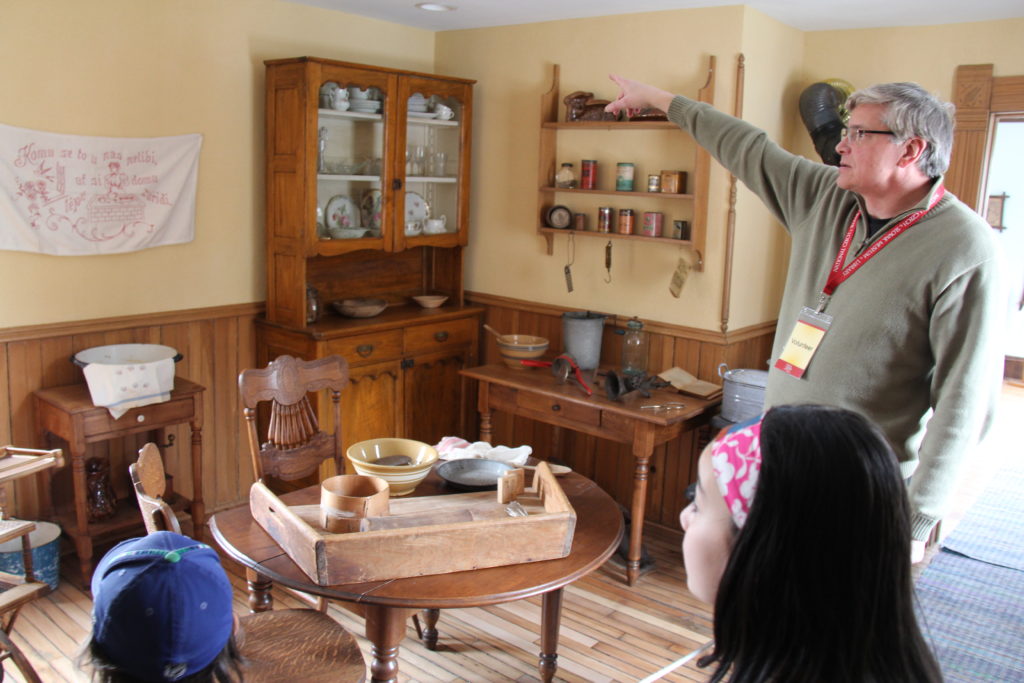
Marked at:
<point>368,197</point>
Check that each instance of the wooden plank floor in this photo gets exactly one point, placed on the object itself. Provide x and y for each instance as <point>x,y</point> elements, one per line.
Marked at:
<point>610,632</point>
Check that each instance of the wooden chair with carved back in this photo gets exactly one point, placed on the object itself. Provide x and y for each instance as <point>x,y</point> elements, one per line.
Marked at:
<point>277,645</point>
<point>295,444</point>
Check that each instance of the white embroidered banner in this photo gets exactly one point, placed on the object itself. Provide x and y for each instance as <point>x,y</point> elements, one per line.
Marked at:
<point>74,195</point>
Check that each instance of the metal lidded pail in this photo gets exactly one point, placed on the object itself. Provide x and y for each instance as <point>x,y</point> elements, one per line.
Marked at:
<point>45,543</point>
<point>742,392</point>
<point>581,336</point>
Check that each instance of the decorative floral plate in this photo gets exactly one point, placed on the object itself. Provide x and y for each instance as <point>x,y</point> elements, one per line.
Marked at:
<point>342,213</point>
<point>370,209</point>
<point>416,208</point>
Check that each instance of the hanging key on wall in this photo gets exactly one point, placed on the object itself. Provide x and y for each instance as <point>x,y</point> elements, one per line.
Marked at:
<point>571,248</point>
<point>608,261</point>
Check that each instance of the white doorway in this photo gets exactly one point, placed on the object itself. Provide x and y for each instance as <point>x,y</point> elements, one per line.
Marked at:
<point>1005,191</point>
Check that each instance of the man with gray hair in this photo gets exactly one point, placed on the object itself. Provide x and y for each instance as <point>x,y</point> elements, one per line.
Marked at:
<point>893,305</point>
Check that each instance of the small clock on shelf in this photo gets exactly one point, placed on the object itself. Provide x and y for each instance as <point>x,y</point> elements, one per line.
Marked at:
<point>558,216</point>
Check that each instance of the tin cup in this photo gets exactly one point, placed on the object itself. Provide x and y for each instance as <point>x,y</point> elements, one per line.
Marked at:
<point>624,177</point>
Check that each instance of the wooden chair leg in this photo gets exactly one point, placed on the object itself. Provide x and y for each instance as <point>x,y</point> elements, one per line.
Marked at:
<point>19,659</point>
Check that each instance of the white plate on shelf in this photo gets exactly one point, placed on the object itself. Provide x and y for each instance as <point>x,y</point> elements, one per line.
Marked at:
<point>423,114</point>
<point>341,212</point>
<point>416,208</point>
<point>370,208</point>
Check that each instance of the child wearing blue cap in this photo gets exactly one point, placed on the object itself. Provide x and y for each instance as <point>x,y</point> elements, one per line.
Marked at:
<point>162,612</point>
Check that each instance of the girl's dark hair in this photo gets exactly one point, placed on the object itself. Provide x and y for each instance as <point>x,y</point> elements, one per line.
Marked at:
<point>818,586</point>
<point>225,668</point>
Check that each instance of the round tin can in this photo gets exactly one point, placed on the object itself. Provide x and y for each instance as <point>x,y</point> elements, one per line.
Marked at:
<point>604,219</point>
<point>624,177</point>
<point>588,174</point>
<point>652,225</point>
<point>654,183</point>
<point>579,221</point>
<point>627,219</point>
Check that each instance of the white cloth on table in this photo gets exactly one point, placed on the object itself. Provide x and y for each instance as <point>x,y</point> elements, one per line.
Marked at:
<point>119,388</point>
<point>455,448</point>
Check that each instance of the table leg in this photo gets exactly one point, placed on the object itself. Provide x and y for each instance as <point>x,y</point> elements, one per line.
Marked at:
<point>429,637</point>
<point>197,508</point>
<point>83,542</point>
<point>643,448</point>
<point>550,621</point>
<point>385,628</point>
<point>260,598</point>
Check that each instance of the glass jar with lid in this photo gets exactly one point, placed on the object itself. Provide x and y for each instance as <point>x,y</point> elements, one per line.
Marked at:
<point>635,344</point>
<point>566,177</point>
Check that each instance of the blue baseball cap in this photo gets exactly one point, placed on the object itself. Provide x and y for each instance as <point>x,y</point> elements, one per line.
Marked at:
<point>161,606</point>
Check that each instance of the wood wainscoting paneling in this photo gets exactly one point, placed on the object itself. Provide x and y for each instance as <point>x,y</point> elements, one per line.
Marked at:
<point>609,464</point>
<point>216,344</point>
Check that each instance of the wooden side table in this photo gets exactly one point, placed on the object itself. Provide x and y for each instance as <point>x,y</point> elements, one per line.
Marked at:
<point>539,396</point>
<point>68,413</point>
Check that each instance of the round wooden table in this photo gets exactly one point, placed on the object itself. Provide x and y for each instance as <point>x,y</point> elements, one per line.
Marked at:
<point>386,605</point>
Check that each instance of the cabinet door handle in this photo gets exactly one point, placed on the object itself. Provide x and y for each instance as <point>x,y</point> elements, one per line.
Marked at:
<point>364,350</point>
<point>441,336</point>
<point>396,184</point>
<point>556,407</point>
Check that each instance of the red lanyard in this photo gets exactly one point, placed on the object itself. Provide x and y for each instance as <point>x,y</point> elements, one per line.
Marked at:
<point>839,274</point>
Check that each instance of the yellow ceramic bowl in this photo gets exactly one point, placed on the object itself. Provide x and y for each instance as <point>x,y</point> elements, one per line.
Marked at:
<point>517,347</point>
<point>402,479</point>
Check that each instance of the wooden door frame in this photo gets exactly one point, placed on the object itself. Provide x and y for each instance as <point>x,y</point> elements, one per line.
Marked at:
<point>979,97</point>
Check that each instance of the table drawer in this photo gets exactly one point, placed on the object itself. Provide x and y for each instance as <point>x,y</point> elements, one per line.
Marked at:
<point>564,410</point>
<point>98,425</point>
<point>367,348</point>
<point>439,336</point>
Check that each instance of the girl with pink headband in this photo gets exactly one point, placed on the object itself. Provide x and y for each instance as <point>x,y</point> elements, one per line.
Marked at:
<point>799,535</point>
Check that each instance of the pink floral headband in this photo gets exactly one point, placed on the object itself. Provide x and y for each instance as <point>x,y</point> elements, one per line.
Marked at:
<point>736,460</point>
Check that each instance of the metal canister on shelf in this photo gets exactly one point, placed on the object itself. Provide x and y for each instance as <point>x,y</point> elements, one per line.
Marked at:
<point>654,183</point>
<point>579,221</point>
<point>681,230</point>
<point>652,225</point>
<point>624,177</point>
<point>627,220</point>
<point>604,219</point>
<point>673,182</point>
<point>588,174</point>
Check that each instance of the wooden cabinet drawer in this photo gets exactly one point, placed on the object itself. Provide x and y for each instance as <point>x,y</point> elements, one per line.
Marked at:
<point>438,336</point>
<point>367,348</point>
<point>563,410</point>
<point>98,425</point>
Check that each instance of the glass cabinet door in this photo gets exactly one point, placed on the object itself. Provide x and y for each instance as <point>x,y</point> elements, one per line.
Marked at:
<point>434,144</point>
<point>351,152</point>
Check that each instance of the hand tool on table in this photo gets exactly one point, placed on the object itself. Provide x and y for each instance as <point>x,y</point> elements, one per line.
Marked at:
<point>565,368</point>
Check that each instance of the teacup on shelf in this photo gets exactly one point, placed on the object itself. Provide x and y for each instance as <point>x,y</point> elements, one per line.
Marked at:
<point>413,228</point>
<point>435,226</point>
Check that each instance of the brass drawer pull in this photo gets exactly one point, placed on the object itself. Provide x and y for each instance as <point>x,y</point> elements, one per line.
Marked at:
<point>441,336</point>
<point>364,350</point>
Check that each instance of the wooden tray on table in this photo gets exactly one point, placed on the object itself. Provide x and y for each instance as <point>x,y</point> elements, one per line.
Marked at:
<point>428,534</point>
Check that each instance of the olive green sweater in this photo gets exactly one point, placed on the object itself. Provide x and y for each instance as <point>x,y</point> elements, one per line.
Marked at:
<point>915,343</point>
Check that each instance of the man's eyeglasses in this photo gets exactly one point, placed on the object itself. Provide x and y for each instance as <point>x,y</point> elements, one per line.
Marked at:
<point>857,134</point>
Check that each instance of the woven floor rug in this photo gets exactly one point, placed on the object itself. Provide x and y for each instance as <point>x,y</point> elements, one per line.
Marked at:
<point>971,595</point>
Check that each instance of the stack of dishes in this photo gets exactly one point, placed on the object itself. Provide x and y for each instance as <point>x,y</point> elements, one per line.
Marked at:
<point>366,106</point>
<point>417,107</point>
<point>417,102</point>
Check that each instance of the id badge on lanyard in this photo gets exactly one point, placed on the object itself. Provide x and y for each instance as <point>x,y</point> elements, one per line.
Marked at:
<point>812,324</point>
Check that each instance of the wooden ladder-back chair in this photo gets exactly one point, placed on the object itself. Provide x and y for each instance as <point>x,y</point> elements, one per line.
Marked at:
<point>17,591</point>
<point>278,645</point>
<point>295,445</point>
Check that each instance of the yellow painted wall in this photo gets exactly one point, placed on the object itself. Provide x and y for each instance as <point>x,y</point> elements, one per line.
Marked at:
<point>513,66</point>
<point>142,68</point>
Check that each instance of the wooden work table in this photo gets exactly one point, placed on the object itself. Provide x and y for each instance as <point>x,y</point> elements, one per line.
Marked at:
<point>68,413</point>
<point>537,395</point>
